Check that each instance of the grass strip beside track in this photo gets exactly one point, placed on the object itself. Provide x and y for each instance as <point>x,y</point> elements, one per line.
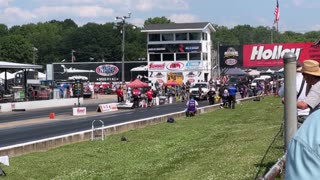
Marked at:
<point>224,144</point>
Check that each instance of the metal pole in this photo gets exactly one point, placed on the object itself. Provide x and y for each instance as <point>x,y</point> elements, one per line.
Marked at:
<point>218,57</point>
<point>290,96</point>
<point>272,35</point>
<point>123,21</point>
<point>123,43</point>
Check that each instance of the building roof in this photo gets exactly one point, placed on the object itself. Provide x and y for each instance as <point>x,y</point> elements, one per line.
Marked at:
<point>12,65</point>
<point>200,26</point>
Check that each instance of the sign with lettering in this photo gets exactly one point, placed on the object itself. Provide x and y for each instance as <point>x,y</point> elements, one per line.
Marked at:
<point>107,107</point>
<point>79,111</point>
<point>107,70</point>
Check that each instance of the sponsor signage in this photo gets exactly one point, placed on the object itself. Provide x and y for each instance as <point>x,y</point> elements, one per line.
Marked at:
<point>160,81</point>
<point>107,70</point>
<point>193,65</point>
<point>230,56</point>
<point>191,80</point>
<point>156,66</point>
<point>174,66</point>
<point>107,107</point>
<point>94,71</point>
<point>79,111</point>
<point>182,47</point>
<point>272,54</point>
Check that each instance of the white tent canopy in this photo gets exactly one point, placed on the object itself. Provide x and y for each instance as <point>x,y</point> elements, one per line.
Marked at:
<point>140,68</point>
<point>78,77</point>
<point>254,73</point>
<point>270,71</point>
<point>41,75</point>
<point>281,70</point>
<point>9,75</point>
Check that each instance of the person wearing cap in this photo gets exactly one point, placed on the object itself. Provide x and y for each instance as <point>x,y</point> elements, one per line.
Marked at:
<point>311,73</point>
<point>301,93</point>
<point>303,154</point>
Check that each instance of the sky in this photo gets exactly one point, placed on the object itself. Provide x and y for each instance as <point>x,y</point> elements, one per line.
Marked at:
<point>295,15</point>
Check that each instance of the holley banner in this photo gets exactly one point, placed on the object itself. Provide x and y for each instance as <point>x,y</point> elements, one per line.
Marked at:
<point>258,55</point>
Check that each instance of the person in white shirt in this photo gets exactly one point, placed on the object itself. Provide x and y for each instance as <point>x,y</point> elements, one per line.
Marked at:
<point>301,87</point>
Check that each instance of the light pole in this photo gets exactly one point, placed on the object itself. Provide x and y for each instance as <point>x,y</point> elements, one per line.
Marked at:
<point>123,22</point>
<point>34,50</point>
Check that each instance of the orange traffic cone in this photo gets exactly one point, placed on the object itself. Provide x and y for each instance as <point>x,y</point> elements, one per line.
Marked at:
<point>51,115</point>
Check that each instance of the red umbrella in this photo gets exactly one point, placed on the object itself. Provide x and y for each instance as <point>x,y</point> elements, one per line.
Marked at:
<point>137,83</point>
<point>171,83</point>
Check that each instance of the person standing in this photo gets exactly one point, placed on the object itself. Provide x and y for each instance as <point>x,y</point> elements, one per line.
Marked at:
<point>136,97</point>
<point>232,90</point>
<point>149,94</point>
<point>120,94</point>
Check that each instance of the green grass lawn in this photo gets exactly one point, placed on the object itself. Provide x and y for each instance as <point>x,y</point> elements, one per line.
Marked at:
<point>224,144</point>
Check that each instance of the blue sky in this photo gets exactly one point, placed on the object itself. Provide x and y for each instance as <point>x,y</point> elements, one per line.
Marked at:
<point>295,15</point>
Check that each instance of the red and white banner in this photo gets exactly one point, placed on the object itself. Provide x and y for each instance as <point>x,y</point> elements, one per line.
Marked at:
<point>257,55</point>
<point>107,107</point>
<point>79,111</point>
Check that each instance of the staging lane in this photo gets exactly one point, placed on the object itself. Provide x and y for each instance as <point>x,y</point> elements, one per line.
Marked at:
<point>27,133</point>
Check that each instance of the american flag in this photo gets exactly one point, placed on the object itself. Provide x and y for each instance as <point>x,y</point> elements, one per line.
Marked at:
<point>276,13</point>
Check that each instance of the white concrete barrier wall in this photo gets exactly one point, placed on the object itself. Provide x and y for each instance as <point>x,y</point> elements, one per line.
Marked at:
<point>28,105</point>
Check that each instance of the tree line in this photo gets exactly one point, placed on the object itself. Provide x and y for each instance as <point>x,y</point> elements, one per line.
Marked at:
<point>57,41</point>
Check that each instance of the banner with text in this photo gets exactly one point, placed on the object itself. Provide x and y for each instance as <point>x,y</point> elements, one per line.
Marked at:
<point>259,55</point>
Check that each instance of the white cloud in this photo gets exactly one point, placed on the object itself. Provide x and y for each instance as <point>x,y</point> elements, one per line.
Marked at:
<point>183,18</point>
<point>297,3</point>
<point>13,16</point>
<point>148,5</point>
<point>315,27</point>
<point>138,22</point>
<point>73,11</point>
<point>5,3</point>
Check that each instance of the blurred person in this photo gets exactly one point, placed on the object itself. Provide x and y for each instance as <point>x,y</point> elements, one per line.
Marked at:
<point>311,73</point>
<point>303,154</point>
<point>192,105</point>
<point>149,94</point>
<point>136,97</point>
<point>232,90</point>
<point>301,87</point>
<point>120,94</point>
<point>211,95</point>
<point>224,97</point>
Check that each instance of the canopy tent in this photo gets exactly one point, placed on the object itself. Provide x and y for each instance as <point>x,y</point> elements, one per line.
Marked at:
<point>270,71</point>
<point>12,65</point>
<point>281,70</point>
<point>9,75</point>
<point>41,75</point>
<point>137,83</point>
<point>171,83</point>
<point>78,77</point>
<point>254,73</point>
<point>140,68</point>
<point>234,71</point>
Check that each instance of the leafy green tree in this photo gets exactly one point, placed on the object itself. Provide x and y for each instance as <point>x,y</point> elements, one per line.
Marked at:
<point>3,30</point>
<point>157,20</point>
<point>16,48</point>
